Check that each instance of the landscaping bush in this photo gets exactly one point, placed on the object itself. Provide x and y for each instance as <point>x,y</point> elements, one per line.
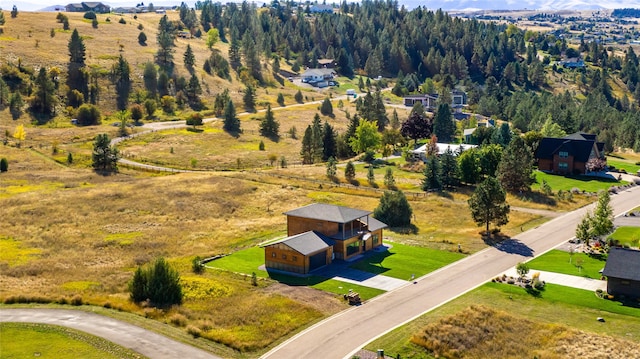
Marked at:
<point>4,165</point>
<point>159,284</point>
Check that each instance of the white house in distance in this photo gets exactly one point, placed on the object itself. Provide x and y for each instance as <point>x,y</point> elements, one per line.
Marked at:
<point>421,152</point>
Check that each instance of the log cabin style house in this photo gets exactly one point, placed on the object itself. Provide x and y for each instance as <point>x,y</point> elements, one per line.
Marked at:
<point>319,233</point>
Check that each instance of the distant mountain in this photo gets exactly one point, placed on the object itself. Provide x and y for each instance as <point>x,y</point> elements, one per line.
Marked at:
<point>521,4</point>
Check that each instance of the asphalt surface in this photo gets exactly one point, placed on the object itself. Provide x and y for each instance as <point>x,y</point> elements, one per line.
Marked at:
<point>143,341</point>
<point>342,335</point>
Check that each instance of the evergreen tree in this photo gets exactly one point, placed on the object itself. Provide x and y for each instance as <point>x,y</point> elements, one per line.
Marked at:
<point>317,139</point>
<point>331,168</point>
<point>394,209</point>
<point>121,77</point>
<point>231,121</point>
<point>449,165</point>
<point>443,125</point>
<point>193,91</point>
<point>2,20</point>
<point>142,38</point>
<point>307,146</point>
<point>249,99</point>
<point>602,221</point>
<point>329,148</point>
<point>326,108</point>
<point>150,78</point>
<point>515,170</point>
<point>15,105</point>
<point>389,180</point>
<point>350,172</point>
<point>14,12</point>
<point>269,127</point>
<point>158,283</point>
<point>432,175</point>
<point>189,59</point>
<point>298,97</point>
<point>104,157</point>
<point>77,78</point>
<point>44,99</point>
<point>488,204</point>
<point>371,177</point>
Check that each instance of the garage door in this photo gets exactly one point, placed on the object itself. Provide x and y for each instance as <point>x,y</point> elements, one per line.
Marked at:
<point>317,260</point>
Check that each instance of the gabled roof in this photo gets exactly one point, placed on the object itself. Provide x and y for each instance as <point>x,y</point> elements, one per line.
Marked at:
<point>375,224</point>
<point>306,243</point>
<point>578,145</point>
<point>623,263</point>
<point>328,212</point>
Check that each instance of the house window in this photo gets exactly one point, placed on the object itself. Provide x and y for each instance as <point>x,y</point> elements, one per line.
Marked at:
<point>375,239</point>
<point>295,258</point>
<point>563,166</point>
<point>353,248</point>
<point>273,254</point>
<point>563,154</point>
<point>284,256</point>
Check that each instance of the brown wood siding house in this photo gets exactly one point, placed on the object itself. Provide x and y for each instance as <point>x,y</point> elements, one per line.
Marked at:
<point>318,230</point>
<point>623,272</point>
<point>568,155</point>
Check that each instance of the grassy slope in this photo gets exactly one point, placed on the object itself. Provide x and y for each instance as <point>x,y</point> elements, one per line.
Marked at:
<point>560,305</point>
<point>52,341</point>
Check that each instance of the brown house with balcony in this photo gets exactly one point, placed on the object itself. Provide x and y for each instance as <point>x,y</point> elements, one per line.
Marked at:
<point>319,233</point>
<point>568,155</point>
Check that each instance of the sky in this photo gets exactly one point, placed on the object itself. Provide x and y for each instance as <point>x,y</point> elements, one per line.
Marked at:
<point>34,5</point>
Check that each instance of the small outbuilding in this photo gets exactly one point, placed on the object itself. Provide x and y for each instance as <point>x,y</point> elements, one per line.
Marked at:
<point>623,272</point>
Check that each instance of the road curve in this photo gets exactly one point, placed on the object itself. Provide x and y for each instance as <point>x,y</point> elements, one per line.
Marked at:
<point>342,335</point>
<point>143,341</point>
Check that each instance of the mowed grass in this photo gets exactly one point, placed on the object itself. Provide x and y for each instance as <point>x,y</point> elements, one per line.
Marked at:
<point>572,307</point>
<point>558,261</point>
<point>619,163</point>
<point>629,236</point>
<point>403,262</point>
<point>583,183</point>
<point>27,340</point>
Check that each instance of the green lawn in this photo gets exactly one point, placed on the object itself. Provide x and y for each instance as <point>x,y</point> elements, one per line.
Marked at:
<point>627,236</point>
<point>566,183</point>
<point>627,165</point>
<point>27,340</point>
<point>245,261</point>
<point>402,261</point>
<point>556,304</point>
<point>558,262</point>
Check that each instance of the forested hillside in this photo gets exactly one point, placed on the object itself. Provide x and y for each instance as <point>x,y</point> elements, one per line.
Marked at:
<point>509,74</point>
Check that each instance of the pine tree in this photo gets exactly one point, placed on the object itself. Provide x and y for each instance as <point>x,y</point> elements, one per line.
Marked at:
<point>449,164</point>
<point>44,99</point>
<point>298,97</point>
<point>269,127</point>
<point>150,78</point>
<point>77,78</point>
<point>317,138</point>
<point>189,59</point>
<point>350,172</point>
<point>14,12</point>
<point>371,178</point>
<point>104,157</point>
<point>307,146</point>
<point>488,204</point>
<point>394,209</point>
<point>389,180</point>
<point>515,170</point>
<point>329,148</point>
<point>249,99</point>
<point>331,168</point>
<point>443,125</point>
<point>326,108</point>
<point>432,175</point>
<point>231,121</point>
<point>121,77</point>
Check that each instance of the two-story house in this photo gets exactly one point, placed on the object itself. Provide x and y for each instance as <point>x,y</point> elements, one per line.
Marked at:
<point>568,155</point>
<point>319,233</point>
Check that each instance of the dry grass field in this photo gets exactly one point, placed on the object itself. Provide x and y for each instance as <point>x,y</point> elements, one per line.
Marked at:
<point>482,332</point>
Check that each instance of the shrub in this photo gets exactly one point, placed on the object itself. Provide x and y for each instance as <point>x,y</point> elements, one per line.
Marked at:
<point>394,209</point>
<point>90,15</point>
<point>122,20</point>
<point>158,283</point>
<point>261,146</point>
<point>196,263</point>
<point>76,300</point>
<point>88,115</point>
<point>4,165</point>
<point>195,331</point>
<point>178,320</point>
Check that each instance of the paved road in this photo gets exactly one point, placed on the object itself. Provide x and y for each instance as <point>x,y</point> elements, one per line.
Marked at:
<point>342,335</point>
<point>143,341</point>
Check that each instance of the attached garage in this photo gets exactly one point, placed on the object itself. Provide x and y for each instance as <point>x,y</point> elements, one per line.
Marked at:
<point>300,254</point>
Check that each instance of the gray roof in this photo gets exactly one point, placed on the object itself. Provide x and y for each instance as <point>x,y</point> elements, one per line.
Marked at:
<point>328,212</point>
<point>306,243</point>
<point>374,224</point>
<point>623,263</point>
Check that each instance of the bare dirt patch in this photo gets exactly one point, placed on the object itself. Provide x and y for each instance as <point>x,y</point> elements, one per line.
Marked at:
<point>322,301</point>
